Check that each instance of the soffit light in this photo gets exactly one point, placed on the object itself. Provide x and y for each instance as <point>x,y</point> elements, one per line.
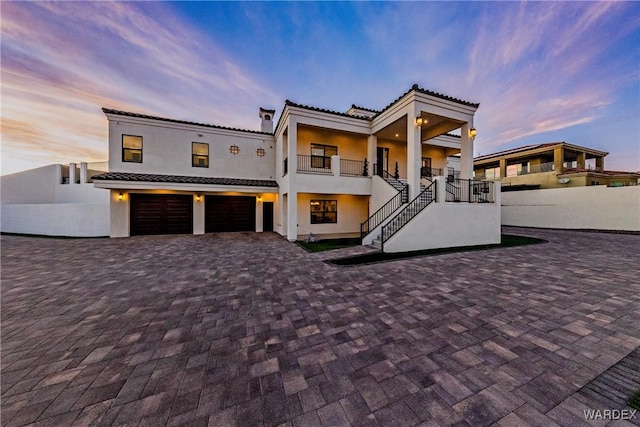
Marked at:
<point>234,149</point>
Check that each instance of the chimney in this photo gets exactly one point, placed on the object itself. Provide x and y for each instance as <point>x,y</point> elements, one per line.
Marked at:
<point>267,120</point>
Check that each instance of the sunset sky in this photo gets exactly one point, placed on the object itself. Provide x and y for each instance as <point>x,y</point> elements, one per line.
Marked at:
<point>541,71</point>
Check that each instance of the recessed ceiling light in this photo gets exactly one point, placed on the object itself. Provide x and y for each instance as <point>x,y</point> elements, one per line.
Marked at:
<point>397,135</point>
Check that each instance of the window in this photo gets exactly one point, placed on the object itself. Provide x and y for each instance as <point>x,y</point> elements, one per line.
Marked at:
<point>132,148</point>
<point>199,155</point>
<point>324,211</point>
<point>321,155</point>
<point>492,173</point>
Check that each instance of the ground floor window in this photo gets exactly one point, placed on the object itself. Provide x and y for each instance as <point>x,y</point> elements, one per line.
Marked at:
<point>324,211</point>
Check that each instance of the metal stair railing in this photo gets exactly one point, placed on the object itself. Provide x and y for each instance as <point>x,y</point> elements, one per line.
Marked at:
<point>387,209</point>
<point>402,218</point>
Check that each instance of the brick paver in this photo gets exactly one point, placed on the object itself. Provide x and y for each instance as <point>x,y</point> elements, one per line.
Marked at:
<point>249,329</point>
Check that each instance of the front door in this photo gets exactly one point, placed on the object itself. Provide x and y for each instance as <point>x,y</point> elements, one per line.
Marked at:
<point>267,216</point>
<point>382,163</point>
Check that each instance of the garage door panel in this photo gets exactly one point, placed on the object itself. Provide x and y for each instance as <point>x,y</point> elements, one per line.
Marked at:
<point>161,214</point>
<point>230,213</point>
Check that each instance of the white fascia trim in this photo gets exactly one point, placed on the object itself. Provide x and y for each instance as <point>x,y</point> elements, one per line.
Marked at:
<point>174,186</point>
<point>189,127</point>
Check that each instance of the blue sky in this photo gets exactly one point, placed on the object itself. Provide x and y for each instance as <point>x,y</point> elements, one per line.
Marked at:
<point>541,71</point>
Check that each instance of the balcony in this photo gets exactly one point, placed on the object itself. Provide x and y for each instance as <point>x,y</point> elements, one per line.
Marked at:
<point>333,165</point>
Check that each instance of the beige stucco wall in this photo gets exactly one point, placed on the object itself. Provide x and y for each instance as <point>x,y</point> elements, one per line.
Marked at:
<point>167,149</point>
<point>397,153</point>
<point>352,211</point>
<point>597,208</point>
<point>438,156</point>
<point>350,146</point>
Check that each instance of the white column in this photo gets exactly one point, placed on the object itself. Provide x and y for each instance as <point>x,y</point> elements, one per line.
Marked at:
<point>198,214</point>
<point>83,173</point>
<point>259,214</point>
<point>119,213</point>
<point>372,150</point>
<point>292,197</point>
<point>292,216</point>
<point>292,149</point>
<point>414,152</point>
<point>466,151</point>
<point>335,165</point>
<point>441,189</point>
<point>72,173</point>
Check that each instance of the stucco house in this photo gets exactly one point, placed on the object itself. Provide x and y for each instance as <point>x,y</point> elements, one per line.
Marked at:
<point>550,165</point>
<point>384,175</point>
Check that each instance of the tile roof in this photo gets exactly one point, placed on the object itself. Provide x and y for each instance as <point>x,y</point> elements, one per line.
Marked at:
<point>434,94</point>
<point>517,150</point>
<point>364,108</point>
<point>164,119</point>
<point>415,87</point>
<point>322,110</point>
<point>144,177</point>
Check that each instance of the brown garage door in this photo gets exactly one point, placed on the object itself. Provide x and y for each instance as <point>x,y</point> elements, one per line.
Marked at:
<point>230,213</point>
<point>161,214</point>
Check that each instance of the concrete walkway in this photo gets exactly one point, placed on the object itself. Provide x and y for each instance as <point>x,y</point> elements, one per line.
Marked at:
<point>250,330</point>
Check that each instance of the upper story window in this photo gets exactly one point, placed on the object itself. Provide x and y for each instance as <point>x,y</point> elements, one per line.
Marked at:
<point>199,155</point>
<point>132,148</point>
<point>321,155</point>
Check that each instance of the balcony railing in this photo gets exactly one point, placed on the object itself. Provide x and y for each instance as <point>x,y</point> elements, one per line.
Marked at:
<point>542,167</point>
<point>314,164</point>
<point>469,191</point>
<point>352,168</point>
<point>429,173</point>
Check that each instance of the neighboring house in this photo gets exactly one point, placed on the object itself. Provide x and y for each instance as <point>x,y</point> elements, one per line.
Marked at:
<point>55,200</point>
<point>550,165</point>
<point>381,175</point>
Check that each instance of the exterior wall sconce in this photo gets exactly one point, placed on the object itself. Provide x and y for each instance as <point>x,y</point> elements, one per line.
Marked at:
<point>198,197</point>
<point>419,121</point>
<point>472,133</point>
<point>234,149</point>
<point>259,199</point>
<point>260,152</point>
<point>120,196</point>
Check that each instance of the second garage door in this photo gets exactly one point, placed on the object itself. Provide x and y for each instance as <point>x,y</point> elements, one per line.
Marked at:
<point>230,213</point>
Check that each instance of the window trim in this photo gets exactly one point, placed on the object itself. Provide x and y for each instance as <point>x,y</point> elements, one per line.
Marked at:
<point>193,155</point>
<point>323,211</point>
<point>124,149</point>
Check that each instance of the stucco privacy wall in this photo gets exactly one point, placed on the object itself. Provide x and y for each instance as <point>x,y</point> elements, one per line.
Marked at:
<point>36,202</point>
<point>57,219</point>
<point>594,208</point>
<point>167,149</point>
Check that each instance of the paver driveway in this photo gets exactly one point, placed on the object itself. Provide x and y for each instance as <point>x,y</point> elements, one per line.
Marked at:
<point>249,329</point>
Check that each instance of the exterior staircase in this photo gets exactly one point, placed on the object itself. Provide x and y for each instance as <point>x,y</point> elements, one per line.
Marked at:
<point>372,224</point>
<point>406,214</point>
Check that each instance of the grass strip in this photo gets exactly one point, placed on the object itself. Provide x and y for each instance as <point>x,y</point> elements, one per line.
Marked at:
<point>329,244</point>
<point>506,240</point>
